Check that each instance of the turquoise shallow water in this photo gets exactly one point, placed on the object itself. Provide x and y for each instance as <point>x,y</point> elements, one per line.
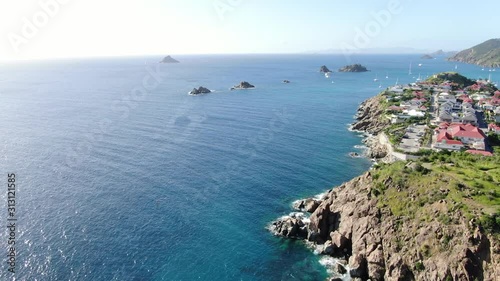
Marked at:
<point>177,187</point>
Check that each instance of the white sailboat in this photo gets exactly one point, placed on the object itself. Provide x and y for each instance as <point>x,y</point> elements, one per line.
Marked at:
<point>397,82</point>
<point>386,75</point>
<point>376,78</point>
<point>456,66</point>
<point>419,78</point>
<point>409,71</point>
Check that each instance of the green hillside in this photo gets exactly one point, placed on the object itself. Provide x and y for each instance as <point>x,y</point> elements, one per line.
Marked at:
<point>469,184</point>
<point>452,77</point>
<point>485,54</point>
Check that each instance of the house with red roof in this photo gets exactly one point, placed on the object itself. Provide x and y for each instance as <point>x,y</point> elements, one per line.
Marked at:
<point>475,87</point>
<point>445,141</point>
<point>419,95</point>
<point>467,134</point>
<point>495,101</point>
<point>468,100</point>
<point>394,108</point>
<point>479,152</point>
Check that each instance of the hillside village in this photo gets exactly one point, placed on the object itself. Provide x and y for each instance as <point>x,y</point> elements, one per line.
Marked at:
<point>446,112</point>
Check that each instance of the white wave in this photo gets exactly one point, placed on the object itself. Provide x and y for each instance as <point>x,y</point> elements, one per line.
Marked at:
<point>359,146</point>
<point>295,215</point>
<point>321,196</point>
<point>329,263</point>
<point>296,203</point>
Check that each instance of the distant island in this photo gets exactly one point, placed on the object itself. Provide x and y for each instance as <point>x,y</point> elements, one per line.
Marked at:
<point>438,53</point>
<point>486,54</point>
<point>427,57</point>
<point>353,68</point>
<point>324,69</point>
<point>169,59</point>
<point>243,85</point>
<point>201,90</point>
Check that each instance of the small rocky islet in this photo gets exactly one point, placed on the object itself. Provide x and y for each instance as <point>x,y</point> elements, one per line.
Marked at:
<point>353,68</point>
<point>324,69</point>
<point>200,91</point>
<point>242,85</point>
<point>169,59</point>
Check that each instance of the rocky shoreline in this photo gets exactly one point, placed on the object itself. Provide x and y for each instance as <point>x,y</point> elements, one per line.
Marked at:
<point>370,121</point>
<point>368,242</point>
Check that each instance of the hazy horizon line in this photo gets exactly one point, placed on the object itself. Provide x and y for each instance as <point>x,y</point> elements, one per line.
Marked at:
<point>160,56</point>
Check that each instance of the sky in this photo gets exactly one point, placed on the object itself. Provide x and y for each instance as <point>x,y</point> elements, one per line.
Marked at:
<point>45,29</point>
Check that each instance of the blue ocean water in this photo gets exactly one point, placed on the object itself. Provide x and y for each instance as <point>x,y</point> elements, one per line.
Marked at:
<point>123,178</point>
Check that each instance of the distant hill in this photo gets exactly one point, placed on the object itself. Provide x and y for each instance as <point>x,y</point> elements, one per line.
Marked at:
<point>485,54</point>
<point>440,53</point>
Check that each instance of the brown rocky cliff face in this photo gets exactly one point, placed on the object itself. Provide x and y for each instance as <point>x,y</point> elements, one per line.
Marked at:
<point>379,246</point>
<point>370,117</point>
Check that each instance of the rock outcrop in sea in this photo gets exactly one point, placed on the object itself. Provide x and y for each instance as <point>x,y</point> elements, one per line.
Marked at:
<point>201,90</point>
<point>427,57</point>
<point>169,59</point>
<point>353,68</point>
<point>324,69</point>
<point>352,224</point>
<point>243,85</point>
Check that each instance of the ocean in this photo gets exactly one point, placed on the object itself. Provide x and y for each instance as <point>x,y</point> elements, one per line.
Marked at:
<point>121,175</point>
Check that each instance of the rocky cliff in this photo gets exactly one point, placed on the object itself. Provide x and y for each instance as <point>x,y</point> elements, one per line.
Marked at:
<point>353,223</point>
<point>371,119</point>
